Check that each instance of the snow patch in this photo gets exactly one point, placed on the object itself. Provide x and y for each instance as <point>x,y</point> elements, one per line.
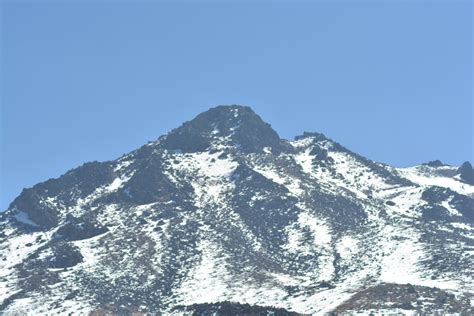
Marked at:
<point>293,185</point>
<point>22,217</point>
<point>347,247</point>
<point>422,176</point>
<point>207,281</point>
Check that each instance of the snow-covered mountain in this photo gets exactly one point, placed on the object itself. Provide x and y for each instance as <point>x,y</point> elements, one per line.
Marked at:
<point>223,210</point>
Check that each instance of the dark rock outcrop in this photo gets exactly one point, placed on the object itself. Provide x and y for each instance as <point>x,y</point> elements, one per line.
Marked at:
<point>466,172</point>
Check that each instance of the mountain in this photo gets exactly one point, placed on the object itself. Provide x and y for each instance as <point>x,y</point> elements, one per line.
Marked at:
<point>222,216</point>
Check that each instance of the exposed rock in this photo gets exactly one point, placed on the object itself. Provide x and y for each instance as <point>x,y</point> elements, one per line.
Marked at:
<point>434,163</point>
<point>466,172</point>
<point>230,308</point>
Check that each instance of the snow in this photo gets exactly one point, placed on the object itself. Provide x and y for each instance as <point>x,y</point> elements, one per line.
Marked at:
<point>401,264</point>
<point>320,230</point>
<point>13,251</point>
<point>236,112</point>
<point>353,177</point>
<point>90,250</point>
<point>210,175</point>
<point>406,200</point>
<point>303,142</point>
<point>253,294</point>
<point>452,211</point>
<point>22,217</point>
<point>347,247</point>
<point>321,244</point>
<point>358,176</point>
<point>23,306</point>
<point>207,281</point>
<point>383,312</point>
<point>291,184</point>
<point>387,250</point>
<point>463,226</point>
<point>422,176</point>
<point>324,302</point>
<point>17,248</point>
<point>115,185</point>
<point>70,307</point>
<point>123,164</point>
<point>210,164</point>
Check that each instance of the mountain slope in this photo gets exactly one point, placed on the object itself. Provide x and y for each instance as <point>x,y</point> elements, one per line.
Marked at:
<point>222,209</point>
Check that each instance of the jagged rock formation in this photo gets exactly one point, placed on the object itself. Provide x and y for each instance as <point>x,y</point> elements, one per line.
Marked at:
<point>434,163</point>
<point>223,210</point>
<point>466,173</point>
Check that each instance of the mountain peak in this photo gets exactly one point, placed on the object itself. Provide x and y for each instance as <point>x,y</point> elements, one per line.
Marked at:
<point>161,232</point>
<point>434,163</point>
<point>224,126</point>
<point>466,172</point>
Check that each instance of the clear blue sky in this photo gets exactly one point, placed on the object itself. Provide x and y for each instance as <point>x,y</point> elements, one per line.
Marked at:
<point>93,80</point>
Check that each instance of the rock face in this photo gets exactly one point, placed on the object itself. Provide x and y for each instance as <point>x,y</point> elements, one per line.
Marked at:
<point>466,173</point>
<point>434,163</point>
<point>236,125</point>
<point>221,212</point>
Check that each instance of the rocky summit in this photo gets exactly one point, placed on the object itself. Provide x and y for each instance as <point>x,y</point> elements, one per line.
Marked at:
<point>221,216</point>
